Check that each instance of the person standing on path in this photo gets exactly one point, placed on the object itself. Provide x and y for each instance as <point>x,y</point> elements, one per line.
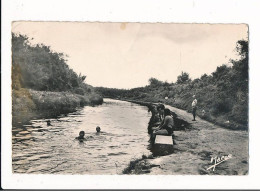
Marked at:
<point>194,107</point>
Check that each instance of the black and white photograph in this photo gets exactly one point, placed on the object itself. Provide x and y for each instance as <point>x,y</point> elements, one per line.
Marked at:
<point>129,98</point>
<point>130,95</point>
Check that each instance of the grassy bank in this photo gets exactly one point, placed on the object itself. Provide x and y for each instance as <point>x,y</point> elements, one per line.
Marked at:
<point>28,104</point>
<point>43,85</point>
<point>229,116</point>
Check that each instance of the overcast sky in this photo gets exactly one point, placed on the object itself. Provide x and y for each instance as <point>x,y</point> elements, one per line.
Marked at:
<point>126,55</point>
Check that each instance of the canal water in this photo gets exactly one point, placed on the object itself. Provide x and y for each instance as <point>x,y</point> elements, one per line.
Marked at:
<point>41,149</point>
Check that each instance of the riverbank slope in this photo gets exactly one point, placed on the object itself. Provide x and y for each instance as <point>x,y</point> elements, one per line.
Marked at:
<point>31,104</point>
<point>43,84</point>
<point>222,96</point>
<point>196,147</point>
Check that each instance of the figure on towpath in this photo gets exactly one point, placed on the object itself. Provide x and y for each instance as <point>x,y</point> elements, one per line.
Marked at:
<point>194,107</point>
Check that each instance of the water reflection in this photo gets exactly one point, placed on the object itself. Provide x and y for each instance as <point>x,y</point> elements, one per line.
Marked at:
<point>42,148</point>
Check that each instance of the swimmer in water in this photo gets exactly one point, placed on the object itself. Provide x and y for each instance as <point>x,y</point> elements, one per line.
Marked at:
<point>98,129</point>
<point>81,136</point>
<point>48,123</point>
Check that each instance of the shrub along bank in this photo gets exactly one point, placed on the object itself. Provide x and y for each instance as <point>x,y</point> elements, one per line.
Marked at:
<point>29,104</point>
<point>43,84</point>
<point>222,96</point>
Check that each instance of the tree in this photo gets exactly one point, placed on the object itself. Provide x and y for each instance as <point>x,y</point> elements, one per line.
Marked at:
<point>242,48</point>
<point>221,72</point>
<point>241,66</point>
<point>83,77</point>
<point>183,78</point>
<point>39,68</point>
<point>155,82</point>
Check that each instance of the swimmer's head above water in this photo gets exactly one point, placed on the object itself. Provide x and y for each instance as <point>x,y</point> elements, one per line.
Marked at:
<point>98,129</point>
<point>48,123</point>
<point>81,135</point>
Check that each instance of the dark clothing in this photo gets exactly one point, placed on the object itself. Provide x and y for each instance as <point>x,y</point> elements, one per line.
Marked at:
<point>81,139</point>
<point>169,129</point>
<point>194,112</point>
<point>160,106</point>
<point>168,124</point>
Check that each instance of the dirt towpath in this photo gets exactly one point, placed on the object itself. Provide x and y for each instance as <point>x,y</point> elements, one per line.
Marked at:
<point>195,148</point>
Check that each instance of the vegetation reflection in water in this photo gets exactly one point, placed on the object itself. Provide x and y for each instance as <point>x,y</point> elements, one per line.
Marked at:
<point>38,148</point>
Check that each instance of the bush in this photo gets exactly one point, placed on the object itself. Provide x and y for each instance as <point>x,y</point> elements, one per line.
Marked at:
<point>221,106</point>
<point>39,68</point>
<point>42,81</point>
<point>223,94</point>
<point>80,91</point>
<point>240,114</point>
<point>95,99</point>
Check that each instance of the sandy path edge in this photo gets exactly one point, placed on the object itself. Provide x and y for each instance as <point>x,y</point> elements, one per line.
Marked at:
<point>196,147</point>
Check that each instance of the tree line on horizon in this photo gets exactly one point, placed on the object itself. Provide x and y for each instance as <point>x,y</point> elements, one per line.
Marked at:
<point>222,96</point>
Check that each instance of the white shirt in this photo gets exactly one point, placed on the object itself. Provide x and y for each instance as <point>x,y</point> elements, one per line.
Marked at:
<point>194,103</point>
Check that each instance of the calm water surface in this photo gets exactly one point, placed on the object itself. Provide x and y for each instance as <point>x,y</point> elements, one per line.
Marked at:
<point>38,148</point>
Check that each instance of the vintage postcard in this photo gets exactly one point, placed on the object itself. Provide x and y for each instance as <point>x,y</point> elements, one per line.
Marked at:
<point>129,98</point>
<point>130,95</point>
